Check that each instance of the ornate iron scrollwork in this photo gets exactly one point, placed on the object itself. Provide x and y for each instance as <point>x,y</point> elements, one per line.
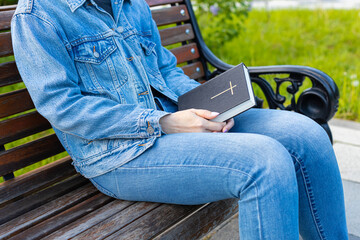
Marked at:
<point>274,98</point>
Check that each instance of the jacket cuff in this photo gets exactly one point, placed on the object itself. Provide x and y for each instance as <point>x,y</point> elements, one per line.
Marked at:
<point>149,123</point>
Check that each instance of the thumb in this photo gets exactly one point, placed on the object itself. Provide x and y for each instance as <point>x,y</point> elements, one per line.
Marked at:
<point>205,113</point>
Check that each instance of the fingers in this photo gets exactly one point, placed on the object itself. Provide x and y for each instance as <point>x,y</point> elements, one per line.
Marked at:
<point>213,126</point>
<point>205,113</point>
<point>208,115</point>
<point>229,124</point>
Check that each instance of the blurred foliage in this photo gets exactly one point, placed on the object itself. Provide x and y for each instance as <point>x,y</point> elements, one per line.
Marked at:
<point>328,40</point>
<point>220,21</point>
<point>7,2</point>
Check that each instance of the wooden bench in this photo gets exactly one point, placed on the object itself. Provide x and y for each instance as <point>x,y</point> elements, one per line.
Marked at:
<point>55,202</point>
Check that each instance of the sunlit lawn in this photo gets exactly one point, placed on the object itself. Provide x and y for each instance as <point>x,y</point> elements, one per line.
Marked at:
<point>325,39</point>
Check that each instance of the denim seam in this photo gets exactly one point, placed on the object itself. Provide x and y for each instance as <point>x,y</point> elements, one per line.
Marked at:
<point>30,6</point>
<point>102,189</point>
<point>206,166</point>
<point>114,77</point>
<point>106,152</point>
<point>310,195</point>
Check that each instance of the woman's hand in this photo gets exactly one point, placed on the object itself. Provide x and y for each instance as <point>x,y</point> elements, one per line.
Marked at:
<point>192,120</point>
<point>229,124</point>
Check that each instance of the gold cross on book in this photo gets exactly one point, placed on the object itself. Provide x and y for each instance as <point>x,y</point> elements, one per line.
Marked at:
<point>231,89</point>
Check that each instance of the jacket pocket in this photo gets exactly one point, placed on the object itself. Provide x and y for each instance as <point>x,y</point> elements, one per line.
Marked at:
<point>94,51</point>
<point>151,58</point>
<point>94,60</point>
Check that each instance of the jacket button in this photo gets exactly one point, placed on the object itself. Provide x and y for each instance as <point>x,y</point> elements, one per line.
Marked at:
<point>150,130</point>
<point>96,54</point>
<point>120,29</point>
<point>161,88</point>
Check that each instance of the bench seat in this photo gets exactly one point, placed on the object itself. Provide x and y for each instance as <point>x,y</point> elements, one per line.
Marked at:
<point>55,202</point>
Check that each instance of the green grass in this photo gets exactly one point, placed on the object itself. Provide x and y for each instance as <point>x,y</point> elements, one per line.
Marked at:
<point>325,39</point>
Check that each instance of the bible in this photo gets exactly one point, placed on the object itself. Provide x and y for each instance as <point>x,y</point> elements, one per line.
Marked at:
<point>229,94</point>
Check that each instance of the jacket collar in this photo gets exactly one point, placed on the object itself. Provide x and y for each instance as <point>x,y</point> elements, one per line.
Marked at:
<point>75,4</point>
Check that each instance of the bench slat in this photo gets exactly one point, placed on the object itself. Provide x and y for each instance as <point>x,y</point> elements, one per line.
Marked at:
<point>9,74</point>
<point>5,44</point>
<point>186,53</point>
<point>192,70</point>
<point>42,229</point>
<point>90,220</point>
<point>161,16</point>
<point>154,222</point>
<point>209,215</point>
<point>170,15</point>
<point>15,102</point>
<point>153,3</point>
<point>176,34</point>
<point>26,204</point>
<point>8,7</point>
<point>47,210</point>
<point>22,126</point>
<point>29,153</point>
<point>117,221</point>
<point>36,179</point>
<point>5,19</point>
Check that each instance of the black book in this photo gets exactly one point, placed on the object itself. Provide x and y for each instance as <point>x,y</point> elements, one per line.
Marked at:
<point>229,94</point>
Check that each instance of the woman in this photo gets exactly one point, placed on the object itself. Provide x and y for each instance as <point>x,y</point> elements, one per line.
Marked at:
<point>97,71</point>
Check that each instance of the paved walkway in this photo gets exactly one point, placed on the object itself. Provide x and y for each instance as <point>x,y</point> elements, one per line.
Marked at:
<point>275,4</point>
<point>347,148</point>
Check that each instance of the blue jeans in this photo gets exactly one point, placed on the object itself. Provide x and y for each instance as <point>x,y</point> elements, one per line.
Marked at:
<point>279,164</point>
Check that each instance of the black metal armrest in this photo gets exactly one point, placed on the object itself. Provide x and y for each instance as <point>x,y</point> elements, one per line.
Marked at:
<point>319,102</point>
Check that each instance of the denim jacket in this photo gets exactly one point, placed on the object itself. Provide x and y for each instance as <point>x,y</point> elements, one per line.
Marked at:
<point>91,75</point>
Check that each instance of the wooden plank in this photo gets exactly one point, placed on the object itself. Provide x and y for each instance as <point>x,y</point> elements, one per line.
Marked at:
<point>46,211</point>
<point>22,126</point>
<point>117,221</point>
<point>5,44</point>
<point>52,224</point>
<point>5,19</point>
<point>8,7</point>
<point>15,102</point>
<point>29,153</point>
<point>153,3</point>
<point>194,70</point>
<point>176,34</point>
<point>165,16</point>
<point>186,53</point>
<point>26,204</point>
<point>36,179</point>
<point>90,220</point>
<point>154,222</point>
<point>202,221</point>
<point>9,74</point>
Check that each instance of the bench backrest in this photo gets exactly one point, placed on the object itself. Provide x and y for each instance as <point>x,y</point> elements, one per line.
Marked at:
<point>25,136</point>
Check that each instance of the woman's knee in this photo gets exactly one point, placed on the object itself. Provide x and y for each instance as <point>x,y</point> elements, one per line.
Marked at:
<point>277,164</point>
<point>305,129</point>
<point>272,169</point>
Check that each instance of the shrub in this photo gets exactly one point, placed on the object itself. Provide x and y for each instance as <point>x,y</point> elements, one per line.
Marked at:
<point>220,21</point>
<point>7,2</point>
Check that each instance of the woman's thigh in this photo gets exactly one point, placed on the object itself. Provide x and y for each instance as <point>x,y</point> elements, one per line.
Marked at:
<point>195,168</point>
<point>291,129</point>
